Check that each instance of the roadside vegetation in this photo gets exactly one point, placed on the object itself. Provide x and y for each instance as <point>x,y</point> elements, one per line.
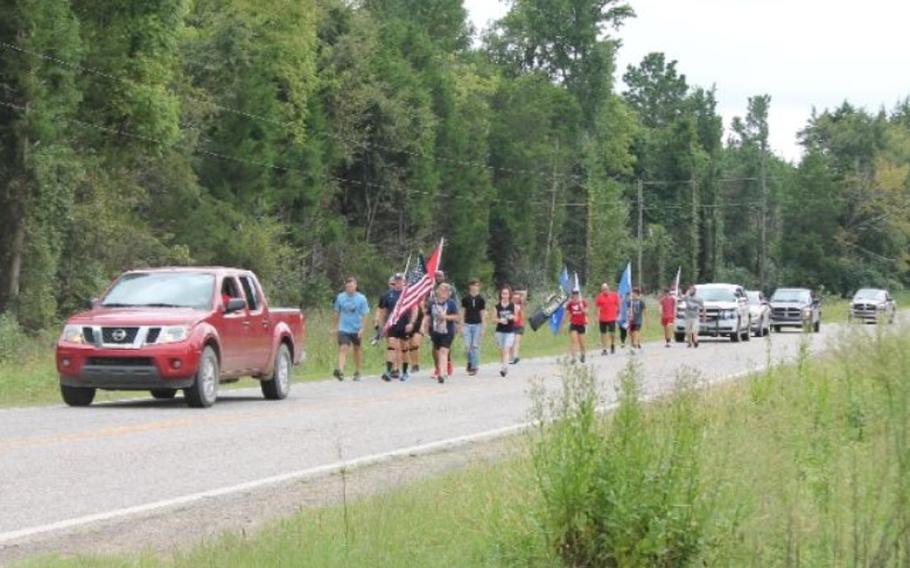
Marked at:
<point>28,374</point>
<point>805,464</point>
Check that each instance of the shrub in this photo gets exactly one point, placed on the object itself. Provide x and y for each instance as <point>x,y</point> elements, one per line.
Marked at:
<point>621,490</point>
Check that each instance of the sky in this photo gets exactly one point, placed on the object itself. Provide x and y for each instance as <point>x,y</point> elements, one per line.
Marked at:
<point>803,53</point>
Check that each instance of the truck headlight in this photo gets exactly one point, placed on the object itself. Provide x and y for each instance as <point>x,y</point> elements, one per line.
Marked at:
<point>173,334</point>
<point>728,314</point>
<point>72,334</point>
<point>807,313</point>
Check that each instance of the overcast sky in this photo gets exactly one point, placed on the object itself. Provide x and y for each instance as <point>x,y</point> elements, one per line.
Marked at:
<point>801,52</point>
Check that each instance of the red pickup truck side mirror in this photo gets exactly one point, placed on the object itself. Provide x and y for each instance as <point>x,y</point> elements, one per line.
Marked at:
<point>234,305</point>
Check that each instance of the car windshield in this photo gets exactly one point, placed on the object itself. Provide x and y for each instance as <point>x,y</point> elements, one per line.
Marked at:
<point>754,298</point>
<point>869,295</point>
<point>162,290</point>
<point>716,294</point>
<point>792,296</point>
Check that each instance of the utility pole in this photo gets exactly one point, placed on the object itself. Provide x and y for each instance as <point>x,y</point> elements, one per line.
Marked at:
<point>553,189</point>
<point>641,223</point>
<point>695,230</point>
<point>763,253</point>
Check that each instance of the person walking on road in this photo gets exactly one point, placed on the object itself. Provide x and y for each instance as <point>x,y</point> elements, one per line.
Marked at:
<point>443,315</point>
<point>695,312</point>
<point>519,301</point>
<point>350,319</point>
<point>577,308</point>
<point>504,316</point>
<point>635,315</point>
<point>607,303</point>
<point>473,318</point>
<point>396,361</point>
<point>667,314</point>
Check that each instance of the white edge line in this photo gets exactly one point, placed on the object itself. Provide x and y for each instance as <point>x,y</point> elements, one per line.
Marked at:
<point>310,473</point>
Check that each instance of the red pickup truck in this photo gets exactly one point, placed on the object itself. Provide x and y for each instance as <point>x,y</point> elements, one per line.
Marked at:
<point>167,329</point>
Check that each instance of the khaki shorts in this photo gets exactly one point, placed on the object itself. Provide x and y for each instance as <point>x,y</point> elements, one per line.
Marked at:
<point>692,325</point>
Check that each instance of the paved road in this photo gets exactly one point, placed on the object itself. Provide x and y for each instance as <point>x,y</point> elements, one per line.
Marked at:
<point>63,468</point>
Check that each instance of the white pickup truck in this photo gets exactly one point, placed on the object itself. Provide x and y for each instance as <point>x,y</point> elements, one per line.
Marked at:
<point>726,313</point>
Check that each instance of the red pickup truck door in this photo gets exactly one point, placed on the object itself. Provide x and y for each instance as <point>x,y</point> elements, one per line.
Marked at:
<point>259,332</point>
<point>234,332</point>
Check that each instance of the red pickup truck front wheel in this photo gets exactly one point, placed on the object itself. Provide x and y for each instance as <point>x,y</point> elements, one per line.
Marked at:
<point>204,390</point>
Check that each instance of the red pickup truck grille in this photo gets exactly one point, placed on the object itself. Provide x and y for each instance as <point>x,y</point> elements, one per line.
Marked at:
<point>119,335</point>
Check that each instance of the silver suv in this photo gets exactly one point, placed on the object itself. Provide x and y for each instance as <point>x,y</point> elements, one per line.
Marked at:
<point>726,312</point>
<point>795,307</point>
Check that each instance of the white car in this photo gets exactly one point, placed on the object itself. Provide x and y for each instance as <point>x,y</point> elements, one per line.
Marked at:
<point>759,312</point>
<point>726,313</point>
<point>872,304</point>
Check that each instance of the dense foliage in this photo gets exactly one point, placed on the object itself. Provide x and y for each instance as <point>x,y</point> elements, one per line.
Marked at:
<point>313,139</point>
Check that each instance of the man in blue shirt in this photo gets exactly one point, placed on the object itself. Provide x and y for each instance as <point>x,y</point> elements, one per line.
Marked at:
<point>351,311</point>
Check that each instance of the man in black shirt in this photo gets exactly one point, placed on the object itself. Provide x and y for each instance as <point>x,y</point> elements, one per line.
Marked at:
<point>473,319</point>
<point>395,359</point>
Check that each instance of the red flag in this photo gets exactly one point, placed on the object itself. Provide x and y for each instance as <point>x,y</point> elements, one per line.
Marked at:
<point>417,292</point>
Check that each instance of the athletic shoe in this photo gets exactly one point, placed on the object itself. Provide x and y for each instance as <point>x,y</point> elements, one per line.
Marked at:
<point>612,349</point>
<point>572,361</point>
<point>503,372</point>
<point>338,374</point>
<point>357,377</point>
<point>415,368</point>
<point>603,352</point>
<point>387,377</point>
<point>667,345</point>
<point>582,359</point>
<point>516,360</point>
<point>441,380</point>
<point>696,344</point>
<point>405,377</point>
<point>472,372</point>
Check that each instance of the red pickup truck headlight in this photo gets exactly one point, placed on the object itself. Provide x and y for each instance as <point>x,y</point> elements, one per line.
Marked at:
<point>72,334</point>
<point>173,334</point>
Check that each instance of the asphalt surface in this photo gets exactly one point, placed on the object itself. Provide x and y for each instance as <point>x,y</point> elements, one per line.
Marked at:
<point>65,468</point>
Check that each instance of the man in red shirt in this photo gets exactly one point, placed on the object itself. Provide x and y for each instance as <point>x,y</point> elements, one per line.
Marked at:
<point>578,322</point>
<point>667,314</point>
<point>608,312</point>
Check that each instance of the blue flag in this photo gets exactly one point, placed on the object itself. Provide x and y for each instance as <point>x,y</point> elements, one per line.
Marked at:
<point>625,290</point>
<point>556,318</point>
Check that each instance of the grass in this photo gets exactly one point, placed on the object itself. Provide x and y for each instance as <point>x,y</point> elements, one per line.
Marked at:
<point>28,375</point>
<point>803,465</point>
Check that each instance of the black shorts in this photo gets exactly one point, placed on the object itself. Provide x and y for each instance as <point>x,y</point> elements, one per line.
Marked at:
<point>398,333</point>
<point>442,340</point>
<point>608,327</point>
<point>634,327</point>
<point>519,330</point>
<point>579,329</point>
<point>348,339</point>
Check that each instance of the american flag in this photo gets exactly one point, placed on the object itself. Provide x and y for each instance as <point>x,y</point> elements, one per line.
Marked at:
<point>418,286</point>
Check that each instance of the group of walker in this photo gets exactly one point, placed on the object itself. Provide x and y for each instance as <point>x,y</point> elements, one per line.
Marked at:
<point>440,316</point>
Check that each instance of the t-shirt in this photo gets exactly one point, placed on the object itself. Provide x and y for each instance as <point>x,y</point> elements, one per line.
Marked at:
<point>635,311</point>
<point>578,312</point>
<point>473,308</point>
<point>507,313</point>
<point>351,310</point>
<point>388,302</point>
<point>667,307</point>
<point>694,307</point>
<point>439,311</point>
<point>608,306</point>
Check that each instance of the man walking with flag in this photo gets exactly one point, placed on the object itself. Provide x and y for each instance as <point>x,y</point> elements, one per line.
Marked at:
<point>400,322</point>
